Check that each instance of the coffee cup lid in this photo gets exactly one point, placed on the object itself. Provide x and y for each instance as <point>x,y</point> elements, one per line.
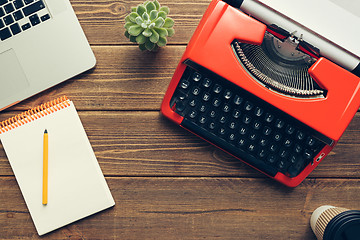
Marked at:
<point>344,226</point>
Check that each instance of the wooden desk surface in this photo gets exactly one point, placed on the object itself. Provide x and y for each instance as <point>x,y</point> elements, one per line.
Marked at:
<point>167,183</point>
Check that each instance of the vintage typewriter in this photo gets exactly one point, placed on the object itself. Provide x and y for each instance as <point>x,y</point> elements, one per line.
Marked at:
<point>265,88</point>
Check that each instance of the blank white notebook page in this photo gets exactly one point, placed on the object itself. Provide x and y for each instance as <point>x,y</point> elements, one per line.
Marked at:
<point>76,185</point>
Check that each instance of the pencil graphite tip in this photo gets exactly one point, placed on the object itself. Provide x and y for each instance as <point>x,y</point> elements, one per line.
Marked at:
<point>45,131</point>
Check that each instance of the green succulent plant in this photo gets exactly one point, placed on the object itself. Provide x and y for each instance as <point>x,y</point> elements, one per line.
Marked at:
<point>149,26</point>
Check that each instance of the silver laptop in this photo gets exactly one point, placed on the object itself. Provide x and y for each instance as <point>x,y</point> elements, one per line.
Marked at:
<point>41,45</point>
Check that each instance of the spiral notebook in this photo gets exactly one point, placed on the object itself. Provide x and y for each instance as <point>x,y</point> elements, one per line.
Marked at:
<point>76,185</point>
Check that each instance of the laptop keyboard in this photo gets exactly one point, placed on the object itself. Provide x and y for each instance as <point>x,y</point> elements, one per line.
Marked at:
<point>245,125</point>
<point>17,16</point>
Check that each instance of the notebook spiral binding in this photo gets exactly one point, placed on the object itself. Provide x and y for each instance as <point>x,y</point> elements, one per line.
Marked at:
<point>34,113</point>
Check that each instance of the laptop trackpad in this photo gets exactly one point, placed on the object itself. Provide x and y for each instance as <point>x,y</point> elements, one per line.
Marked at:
<point>12,76</point>
<point>56,6</point>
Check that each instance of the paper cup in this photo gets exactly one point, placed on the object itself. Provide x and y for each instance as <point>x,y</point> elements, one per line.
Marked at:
<point>334,223</point>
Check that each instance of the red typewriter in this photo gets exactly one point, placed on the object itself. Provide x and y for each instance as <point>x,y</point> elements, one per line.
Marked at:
<point>274,97</point>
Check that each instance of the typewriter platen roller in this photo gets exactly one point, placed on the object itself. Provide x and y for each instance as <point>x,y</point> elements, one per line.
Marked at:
<point>286,73</point>
<point>280,66</point>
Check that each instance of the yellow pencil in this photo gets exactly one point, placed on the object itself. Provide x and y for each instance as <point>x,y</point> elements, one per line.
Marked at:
<point>45,168</point>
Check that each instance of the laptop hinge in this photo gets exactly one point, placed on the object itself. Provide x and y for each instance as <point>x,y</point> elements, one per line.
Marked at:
<point>234,3</point>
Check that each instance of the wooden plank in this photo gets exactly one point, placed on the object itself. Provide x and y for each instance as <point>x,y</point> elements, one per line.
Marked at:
<point>191,208</point>
<point>147,144</point>
<point>107,18</point>
<point>166,182</point>
<point>124,79</point>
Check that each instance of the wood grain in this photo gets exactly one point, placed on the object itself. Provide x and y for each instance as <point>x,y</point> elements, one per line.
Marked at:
<point>191,208</point>
<point>168,183</point>
<point>147,144</point>
<point>124,79</point>
<point>107,17</point>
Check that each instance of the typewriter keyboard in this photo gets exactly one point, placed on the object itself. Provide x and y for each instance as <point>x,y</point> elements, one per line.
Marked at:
<point>244,125</point>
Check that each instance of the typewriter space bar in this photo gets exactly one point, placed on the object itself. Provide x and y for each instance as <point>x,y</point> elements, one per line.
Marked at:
<point>229,147</point>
